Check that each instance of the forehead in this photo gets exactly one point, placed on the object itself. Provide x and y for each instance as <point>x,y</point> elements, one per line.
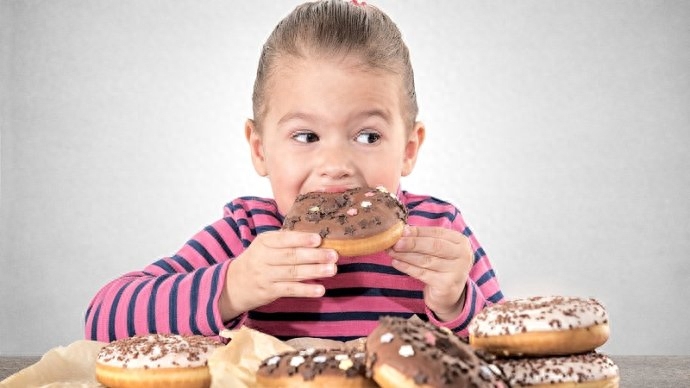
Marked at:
<point>331,85</point>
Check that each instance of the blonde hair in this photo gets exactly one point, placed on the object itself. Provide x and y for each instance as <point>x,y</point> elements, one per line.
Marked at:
<point>337,27</point>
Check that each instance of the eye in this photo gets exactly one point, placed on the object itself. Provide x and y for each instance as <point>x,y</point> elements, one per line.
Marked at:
<point>305,137</point>
<point>367,137</point>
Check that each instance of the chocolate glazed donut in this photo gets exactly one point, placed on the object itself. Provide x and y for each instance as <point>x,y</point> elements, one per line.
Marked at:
<point>355,222</point>
<point>407,353</point>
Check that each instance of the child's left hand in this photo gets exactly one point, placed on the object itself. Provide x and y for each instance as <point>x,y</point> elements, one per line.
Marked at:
<point>439,257</point>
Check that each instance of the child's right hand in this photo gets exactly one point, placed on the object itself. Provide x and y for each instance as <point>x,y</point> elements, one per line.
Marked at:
<point>274,266</point>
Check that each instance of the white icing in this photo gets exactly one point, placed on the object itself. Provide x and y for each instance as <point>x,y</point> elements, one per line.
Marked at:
<point>297,361</point>
<point>406,351</point>
<point>578,368</point>
<point>157,351</point>
<point>550,313</point>
<point>386,338</point>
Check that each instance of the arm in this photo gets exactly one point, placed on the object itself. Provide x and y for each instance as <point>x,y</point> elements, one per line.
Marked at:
<point>177,294</point>
<point>440,250</point>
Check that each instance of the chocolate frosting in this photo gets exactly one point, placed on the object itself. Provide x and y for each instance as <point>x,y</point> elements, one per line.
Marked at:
<point>311,363</point>
<point>352,214</point>
<point>430,355</point>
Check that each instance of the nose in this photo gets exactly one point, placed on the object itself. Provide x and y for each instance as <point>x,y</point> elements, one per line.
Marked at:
<point>335,162</point>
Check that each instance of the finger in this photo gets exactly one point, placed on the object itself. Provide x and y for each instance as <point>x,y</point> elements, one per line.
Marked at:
<point>300,256</point>
<point>290,238</point>
<point>298,290</point>
<point>302,272</point>
<point>424,275</point>
<point>425,261</point>
<point>434,232</point>
<point>428,246</point>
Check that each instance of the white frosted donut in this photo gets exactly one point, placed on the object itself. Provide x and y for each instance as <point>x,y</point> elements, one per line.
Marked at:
<point>581,370</point>
<point>550,325</point>
<point>156,360</point>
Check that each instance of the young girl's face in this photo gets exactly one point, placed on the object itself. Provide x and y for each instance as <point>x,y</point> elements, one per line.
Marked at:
<point>331,125</point>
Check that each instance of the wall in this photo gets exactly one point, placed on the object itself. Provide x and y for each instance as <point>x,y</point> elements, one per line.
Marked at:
<point>560,129</point>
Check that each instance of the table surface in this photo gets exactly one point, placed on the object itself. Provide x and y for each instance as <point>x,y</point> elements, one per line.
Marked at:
<point>635,371</point>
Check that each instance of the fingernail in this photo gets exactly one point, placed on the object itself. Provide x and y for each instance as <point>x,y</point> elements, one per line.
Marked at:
<point>319,291</point>
<point>332,256</point>
<point>407,230</point>
<point>328,269</point>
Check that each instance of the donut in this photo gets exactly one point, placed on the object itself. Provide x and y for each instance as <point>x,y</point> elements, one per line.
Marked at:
<point>313,367</point>
<point>540,326</point>
<point>406,353</point>
<point>354,222</point>
<point>581,370</point>
<point>156,360</point>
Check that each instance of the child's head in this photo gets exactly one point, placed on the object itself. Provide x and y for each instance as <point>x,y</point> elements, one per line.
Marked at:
<point>334,102</point>
<point>337,28</point>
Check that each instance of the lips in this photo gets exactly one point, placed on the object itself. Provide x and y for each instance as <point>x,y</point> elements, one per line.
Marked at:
<point>335,188</point>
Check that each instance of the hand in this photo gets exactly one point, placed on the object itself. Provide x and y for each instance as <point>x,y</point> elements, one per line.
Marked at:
<point>274,266</point>
<point>439,257</point>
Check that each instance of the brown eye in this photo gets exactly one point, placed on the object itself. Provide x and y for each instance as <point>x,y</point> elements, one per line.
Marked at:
<point>306,137</point>
<point>368,137</point>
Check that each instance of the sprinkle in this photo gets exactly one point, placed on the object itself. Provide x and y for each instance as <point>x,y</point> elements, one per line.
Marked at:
<point>320,359</point>
<point>369,194</point>
<point>273,360</point>
<point>381,189</point>
<point>429,338</point>
<point>296,361</point>
<point>345,364</point>
<point>352,212</point>
<point>386,338</point>
<point>340,357</point>
<point>406,351</point>
<point>314,209</point>
<point>366,204</point>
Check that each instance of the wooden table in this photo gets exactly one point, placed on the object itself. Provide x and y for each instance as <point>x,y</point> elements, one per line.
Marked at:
<point>636,371</point>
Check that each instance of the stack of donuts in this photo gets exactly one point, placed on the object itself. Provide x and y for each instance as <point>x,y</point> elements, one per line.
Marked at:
<point>552,341</point>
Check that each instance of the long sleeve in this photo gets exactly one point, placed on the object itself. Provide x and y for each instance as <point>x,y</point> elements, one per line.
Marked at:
<point>180,293</point>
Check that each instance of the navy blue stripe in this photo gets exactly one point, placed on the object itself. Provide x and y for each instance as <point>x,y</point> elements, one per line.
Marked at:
<point>266,228</point>
<point>165,266</point>
<point>236,228</point>
<point>488,275</point>
<point>172,304</point>
<point>202,251</point>
<point>368,267</point>
<point>131,331</point>
<point>151,308</point>
<point>432,216</point>
<point>94,323</point>
<point>437,201</point>
<point>478,254</point>
<point>366,291</point>
<point>495,298</point>
<point>86,316</point>
<point>113,311</point>
<point>183,263</point>
<point>194,300</point>
<point>467,232</point>
<point>213,232</point>
<point>326,317</point>
<point>473,305</point>
<point>215,279</point>
<point>252,212</point>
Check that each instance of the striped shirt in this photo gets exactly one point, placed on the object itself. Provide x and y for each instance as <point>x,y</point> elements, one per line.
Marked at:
<point>180,294</point>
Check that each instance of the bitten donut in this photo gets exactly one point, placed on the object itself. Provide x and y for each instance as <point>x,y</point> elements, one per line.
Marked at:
<point>404,353</point>
<point>156,360</point>
<point>355,222</point>
<point>541,326</point>
<point>585,370</point>
<point>314,368</point>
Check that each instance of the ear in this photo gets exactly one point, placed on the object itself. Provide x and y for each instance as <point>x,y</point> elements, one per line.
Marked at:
<point>256,147</point>
<point>414,141</point>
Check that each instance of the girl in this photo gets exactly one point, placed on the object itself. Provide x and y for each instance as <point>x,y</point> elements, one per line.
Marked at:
<point>334,108</point>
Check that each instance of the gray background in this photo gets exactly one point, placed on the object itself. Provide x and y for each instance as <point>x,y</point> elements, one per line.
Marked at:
<point>560,128</point>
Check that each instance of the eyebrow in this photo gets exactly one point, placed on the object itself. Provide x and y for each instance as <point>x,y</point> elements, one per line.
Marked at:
<point>384,114</point>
